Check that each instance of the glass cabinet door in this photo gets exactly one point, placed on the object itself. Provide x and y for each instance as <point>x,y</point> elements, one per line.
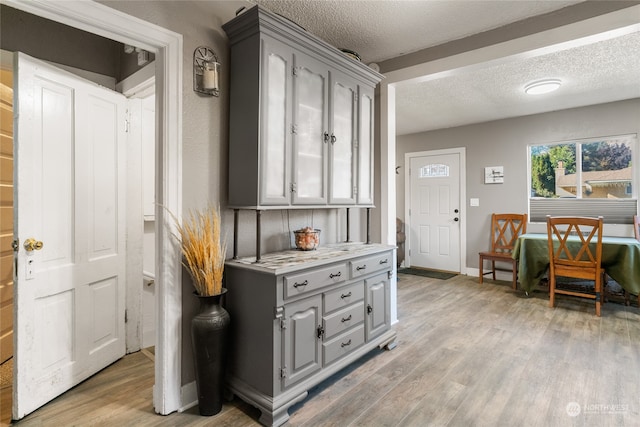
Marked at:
<point>275,158</point>
<point>310,131</point>
<point>342,140</point>
<point>365,147</point>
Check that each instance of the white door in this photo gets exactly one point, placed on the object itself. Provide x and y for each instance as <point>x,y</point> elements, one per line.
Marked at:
<point>69,169</point>
<point>434,213</point>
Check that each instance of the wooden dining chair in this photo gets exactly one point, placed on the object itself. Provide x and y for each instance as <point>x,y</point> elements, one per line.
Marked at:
<point>505,230</point>
<point>575,251</point>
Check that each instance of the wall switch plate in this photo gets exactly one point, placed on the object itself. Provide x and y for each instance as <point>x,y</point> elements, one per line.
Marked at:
<point>474,202</point>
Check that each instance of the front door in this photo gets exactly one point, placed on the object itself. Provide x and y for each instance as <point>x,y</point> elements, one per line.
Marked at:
<point>434,213</point>
<point>69,231</point>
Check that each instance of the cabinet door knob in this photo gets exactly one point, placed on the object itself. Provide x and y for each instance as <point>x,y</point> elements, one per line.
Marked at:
<point>326,137</point>
<point>362,267</point>
<point>338,274</point>
<point>344,344</point>
<point>384,261</point>
<point>346,319</point>
<point>369,309</point>
<point>320,331</point>
<point>347,295</point>
<point>333,139</point>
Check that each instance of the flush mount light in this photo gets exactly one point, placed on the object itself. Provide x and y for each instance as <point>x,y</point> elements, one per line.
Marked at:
<point>542,86</point>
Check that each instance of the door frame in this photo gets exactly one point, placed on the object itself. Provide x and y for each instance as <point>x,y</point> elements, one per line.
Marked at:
<point>167,45</point>
<point>461,151</point>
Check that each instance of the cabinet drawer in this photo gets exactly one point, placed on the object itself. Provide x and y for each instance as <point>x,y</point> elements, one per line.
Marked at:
<point>342,320</point>
<point>343,344</point>
<point>363,266</point>
<point>298,284</point>
<point>343,297</point>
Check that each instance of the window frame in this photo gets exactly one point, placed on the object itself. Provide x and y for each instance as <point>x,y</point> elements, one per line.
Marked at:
<point>614,211</point>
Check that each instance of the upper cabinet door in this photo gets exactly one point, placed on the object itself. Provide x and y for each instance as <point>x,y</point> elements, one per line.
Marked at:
<point>275,154</point>
<point>343,140</point>
<point>310,131</point>
<point>365,146</point>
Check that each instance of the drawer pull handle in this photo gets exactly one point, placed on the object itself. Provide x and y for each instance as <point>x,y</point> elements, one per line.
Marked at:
<point>344,344</point>
<point>384,261</point>
<point>363,267</point>
<point>346,319</point>
<point>338,274</point>
<point>305,283</point>
<point>347,295</point>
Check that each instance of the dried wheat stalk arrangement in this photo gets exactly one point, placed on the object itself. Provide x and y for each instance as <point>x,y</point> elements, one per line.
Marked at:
<point>203,249</point>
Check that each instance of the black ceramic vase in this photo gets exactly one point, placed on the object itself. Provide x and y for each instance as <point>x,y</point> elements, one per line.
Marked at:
<point>210,343</point>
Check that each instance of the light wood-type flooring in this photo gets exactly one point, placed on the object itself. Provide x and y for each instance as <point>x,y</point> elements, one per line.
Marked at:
<point>467,355</point>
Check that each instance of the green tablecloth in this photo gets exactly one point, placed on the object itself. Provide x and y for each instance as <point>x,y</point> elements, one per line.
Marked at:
<point>620,259</point>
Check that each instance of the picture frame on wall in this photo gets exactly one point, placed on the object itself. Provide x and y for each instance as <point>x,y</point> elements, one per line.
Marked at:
<point>494,174</point>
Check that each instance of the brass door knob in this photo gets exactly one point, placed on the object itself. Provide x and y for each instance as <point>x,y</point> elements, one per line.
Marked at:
<point>32,244</point>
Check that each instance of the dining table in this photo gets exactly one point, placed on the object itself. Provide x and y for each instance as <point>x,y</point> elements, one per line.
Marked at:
<point>620,260</point>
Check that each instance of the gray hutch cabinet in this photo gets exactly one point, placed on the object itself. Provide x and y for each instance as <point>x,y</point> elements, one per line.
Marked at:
<point>301,136</point>
<point>301,118</point>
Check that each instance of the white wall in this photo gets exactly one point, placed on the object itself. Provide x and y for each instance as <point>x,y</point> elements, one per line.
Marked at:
<point>504,143</point>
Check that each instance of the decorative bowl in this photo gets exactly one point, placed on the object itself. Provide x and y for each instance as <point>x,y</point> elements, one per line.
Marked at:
<point>351,54</point>
<point>307,239</point>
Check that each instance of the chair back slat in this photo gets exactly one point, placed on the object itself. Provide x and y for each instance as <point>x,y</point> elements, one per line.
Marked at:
<point>505,230</point>
<point>575,242</point>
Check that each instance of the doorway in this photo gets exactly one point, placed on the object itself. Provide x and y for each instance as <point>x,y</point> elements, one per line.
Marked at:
<point>110,23</point>
<point>434,209</point>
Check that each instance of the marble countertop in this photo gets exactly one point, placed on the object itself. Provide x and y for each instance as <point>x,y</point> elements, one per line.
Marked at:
<point>292,260</point>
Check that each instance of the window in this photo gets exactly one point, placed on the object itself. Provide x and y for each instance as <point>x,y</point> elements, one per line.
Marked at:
<point>588,177</point>
<point>434,171</point>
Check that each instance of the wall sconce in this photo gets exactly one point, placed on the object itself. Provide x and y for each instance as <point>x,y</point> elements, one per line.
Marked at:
<point>206,72</point>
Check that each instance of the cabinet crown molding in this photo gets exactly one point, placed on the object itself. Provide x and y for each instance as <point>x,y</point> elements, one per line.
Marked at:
<point>260,20</point>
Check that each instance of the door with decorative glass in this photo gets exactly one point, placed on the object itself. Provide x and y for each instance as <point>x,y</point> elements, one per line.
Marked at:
<point>434,212</point>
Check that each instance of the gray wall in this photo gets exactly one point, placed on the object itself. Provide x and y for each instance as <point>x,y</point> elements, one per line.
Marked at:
<point>504,143</point>
<point>205,144</point>
<point>61,44</point>
<point>205,131</point>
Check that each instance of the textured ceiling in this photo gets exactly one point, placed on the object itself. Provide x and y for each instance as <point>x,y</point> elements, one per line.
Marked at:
<point>378,30</point>
<point>384,29</point>
<point>601,72</point>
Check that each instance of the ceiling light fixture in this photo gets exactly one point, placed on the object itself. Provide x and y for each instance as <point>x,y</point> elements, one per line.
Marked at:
<point>542,86</point>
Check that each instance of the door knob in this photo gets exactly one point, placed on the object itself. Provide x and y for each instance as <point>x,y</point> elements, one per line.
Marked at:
<point>32,244</point>
<point>456,219</point>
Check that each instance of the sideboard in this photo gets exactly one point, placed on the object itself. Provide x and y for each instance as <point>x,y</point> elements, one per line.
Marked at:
<point>298,317</point>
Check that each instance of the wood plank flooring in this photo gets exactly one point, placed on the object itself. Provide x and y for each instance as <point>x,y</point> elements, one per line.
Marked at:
<point>467,355</point>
